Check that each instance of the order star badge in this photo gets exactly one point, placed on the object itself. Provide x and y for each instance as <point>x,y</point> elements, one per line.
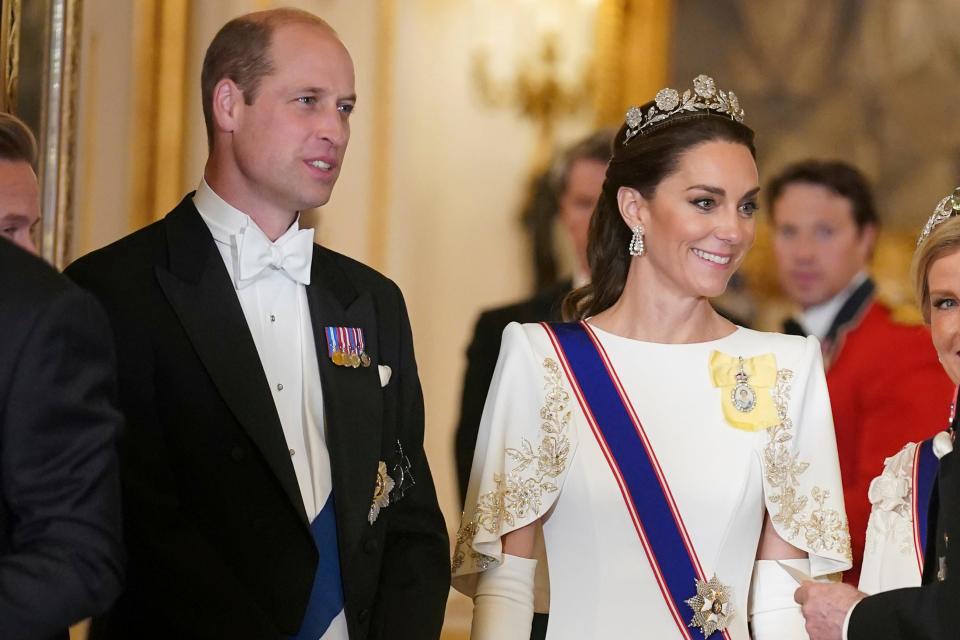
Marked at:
<point>381,492</point>
<point>711,606</point>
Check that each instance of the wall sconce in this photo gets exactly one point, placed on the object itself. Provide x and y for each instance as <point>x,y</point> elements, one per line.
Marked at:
<point>536,59</point>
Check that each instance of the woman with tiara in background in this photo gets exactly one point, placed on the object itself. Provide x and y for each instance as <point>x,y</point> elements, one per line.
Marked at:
<point>916,499</point>
<point>678,473</point>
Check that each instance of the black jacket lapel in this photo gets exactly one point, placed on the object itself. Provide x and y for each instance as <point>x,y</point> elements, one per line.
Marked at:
<point>198,287</point>
<point>352,398</point>
<point>851,311</point>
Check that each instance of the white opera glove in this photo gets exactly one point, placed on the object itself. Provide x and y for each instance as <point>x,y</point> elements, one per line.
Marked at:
<point>503,603</point>
<point>772,612</point>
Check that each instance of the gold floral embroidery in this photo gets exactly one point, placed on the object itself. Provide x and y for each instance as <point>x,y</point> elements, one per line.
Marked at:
<point>822,528</point>
<point>519,493</point>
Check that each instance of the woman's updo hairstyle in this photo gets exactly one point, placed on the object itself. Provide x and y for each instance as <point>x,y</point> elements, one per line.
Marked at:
<point>647,149</point>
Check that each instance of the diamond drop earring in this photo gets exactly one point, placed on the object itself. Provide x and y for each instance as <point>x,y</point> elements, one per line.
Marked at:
<point>637,246</point>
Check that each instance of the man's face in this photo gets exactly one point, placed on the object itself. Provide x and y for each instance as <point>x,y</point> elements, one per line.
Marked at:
<point>289,144</point>
<point>578,200</point>
<point>817,244</point>
<point>19,203</point>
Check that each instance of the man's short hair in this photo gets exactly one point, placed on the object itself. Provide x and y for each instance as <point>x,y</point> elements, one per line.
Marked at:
<point>598,146</point>
<point>839,177</point>
<point>241,52</point>
<point>16,140</point>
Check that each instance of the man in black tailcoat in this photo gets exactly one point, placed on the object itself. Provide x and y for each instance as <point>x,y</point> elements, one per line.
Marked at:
<point>273,471</point>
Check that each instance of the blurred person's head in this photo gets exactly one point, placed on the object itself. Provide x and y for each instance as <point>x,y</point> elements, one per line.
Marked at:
<point>824,228</point>
<point>577,177</point>
<point>19,189</point>
<point>936,279</point>
<point>689,182</point>
<point>278,90</point>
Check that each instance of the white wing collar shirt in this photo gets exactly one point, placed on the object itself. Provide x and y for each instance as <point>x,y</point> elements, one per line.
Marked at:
<point>270,279</point>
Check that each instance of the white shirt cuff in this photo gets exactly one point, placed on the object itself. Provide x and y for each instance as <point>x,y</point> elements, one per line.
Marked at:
<point>846,621</point>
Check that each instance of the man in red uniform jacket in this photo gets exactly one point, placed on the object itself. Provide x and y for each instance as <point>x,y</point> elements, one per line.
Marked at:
<point>885,383</point>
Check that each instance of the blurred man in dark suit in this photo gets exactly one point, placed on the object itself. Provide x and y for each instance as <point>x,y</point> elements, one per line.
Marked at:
<point>570,189</point>
<point>61,552</point>
<point>574,181</point>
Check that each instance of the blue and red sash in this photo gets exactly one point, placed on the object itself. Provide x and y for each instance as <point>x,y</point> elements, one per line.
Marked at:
<point>925,467</point>
<point>635,467</point>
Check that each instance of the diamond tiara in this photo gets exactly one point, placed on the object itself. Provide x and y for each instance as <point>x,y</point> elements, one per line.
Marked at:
<point>946,208</point>
<point>668,102</point>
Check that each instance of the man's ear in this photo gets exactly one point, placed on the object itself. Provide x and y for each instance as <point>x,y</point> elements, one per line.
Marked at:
<point>227,100</point>
<point>868,241</point>
<point>634,208</point>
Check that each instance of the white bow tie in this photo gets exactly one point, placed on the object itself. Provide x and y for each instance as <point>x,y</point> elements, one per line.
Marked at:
<point>255,253</point>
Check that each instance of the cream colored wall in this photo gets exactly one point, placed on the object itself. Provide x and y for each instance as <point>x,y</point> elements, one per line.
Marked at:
<point>104,121</point>
<point>455,174</point>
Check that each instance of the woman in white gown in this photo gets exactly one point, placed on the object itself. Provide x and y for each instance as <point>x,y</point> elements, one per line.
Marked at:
<point>666,463</point>
<point>897,532</point>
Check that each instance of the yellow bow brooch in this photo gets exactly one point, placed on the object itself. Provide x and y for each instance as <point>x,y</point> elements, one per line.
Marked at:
<point>745,389</point>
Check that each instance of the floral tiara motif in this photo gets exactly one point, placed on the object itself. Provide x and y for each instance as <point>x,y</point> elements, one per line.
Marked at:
<point>668,102</point>
<point>946,208</point>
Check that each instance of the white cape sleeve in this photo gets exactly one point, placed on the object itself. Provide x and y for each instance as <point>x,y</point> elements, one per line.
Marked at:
<point>524,449</point>
<point>890,556</point>
<point>801,470</point>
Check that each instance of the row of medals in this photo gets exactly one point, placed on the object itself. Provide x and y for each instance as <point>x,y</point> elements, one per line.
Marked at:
<point>350,358</point>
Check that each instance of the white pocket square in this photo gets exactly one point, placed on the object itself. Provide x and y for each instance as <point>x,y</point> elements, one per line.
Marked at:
<point>385,373</point>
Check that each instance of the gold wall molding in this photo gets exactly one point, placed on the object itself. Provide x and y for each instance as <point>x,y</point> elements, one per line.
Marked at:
<point>632,61</point>
<point>58,139</point>
<point>9,53</point>
<point>163,29</point>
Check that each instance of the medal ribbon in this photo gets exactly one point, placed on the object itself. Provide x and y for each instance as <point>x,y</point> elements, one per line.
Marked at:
<point>925,467</point>
<point>332,341</point>
<point>351,340</point>
<point>625,445</point>
<point>360,345</point>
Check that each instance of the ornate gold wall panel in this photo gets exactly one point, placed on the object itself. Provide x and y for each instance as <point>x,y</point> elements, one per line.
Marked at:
<point>160,115</point>
<point>633,42</point>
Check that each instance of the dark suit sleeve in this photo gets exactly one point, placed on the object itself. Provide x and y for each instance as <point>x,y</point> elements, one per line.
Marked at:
<point>59,470</point>
<point>415,575</point>
<point>917,613</point>
<point>481,361</point>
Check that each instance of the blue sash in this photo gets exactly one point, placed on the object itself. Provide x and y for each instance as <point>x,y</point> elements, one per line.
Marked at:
<point>326,596</point>
<point>925,467</point>
<point>624,444</point>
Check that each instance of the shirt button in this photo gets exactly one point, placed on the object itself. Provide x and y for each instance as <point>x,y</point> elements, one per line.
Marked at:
<point>273,318</point>
<point>279,387</point>
<point>292,453</point>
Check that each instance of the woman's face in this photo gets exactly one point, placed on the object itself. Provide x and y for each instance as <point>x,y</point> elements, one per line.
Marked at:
<point>700,222</point>
<point>943,281</point>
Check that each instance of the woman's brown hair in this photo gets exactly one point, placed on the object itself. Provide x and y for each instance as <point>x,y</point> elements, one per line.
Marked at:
<point>641,164</point>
